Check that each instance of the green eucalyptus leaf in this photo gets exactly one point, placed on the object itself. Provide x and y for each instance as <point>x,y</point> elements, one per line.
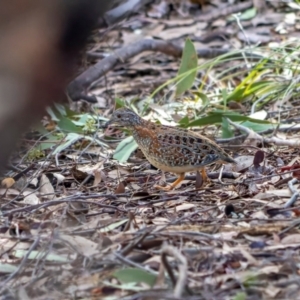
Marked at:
<point>53,114</point>
<point>134,275</point>
<point>224,96</point>
<point>67,125</point>
<point>258,127</point>
<point>188,68</point>
<point>48,144</point>
<point>70,139</point>
<point>124,149</point>
<point>60,108</point>
<point>93,140</point>
<point>69,112</point>
<point>205,100</point>
<point>217,118</point>
<point>242,92</point>
<point>83,119</point>
<point>184,121</point>
<point>120,103</point>
<point>226,129</point>
<point>113,226</point>
<point>132,286</point>
<point>41,130</point>
<point>38,254</point>
<point>248,14</point>
<point>7,268</point>
<point>240,296</point>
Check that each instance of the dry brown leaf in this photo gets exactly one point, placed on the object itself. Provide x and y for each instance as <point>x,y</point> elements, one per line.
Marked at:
<point>60,178</point>
<point>78,174</point>
<point>226,236</point>
<point>9,192</point>
<point>291,239</point>
<point>7,243</point>
<point>259,215</point>
<point>120,189</point>
<point>242,275</point>
<point>258,158</point>
<point>175,33</point>
<point>114,174</point>
<point>46,188</point>
<point>284,193</point>
<point>97,177</point>
<point>160,221</point>
<point>181,207</point>
<point>8,182</point>
<point>272,291</point>
<point>81,244</point>
<point>243,162</point>
<point>31,198</point>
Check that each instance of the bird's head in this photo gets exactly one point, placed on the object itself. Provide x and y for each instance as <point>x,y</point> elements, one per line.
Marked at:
<point>124,117</point>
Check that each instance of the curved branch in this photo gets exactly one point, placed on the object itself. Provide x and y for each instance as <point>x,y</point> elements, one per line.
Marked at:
<point>78,88</point>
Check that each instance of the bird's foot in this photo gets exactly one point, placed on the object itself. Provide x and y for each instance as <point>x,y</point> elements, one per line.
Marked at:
<point>208,183</point>
<point>163,188</point>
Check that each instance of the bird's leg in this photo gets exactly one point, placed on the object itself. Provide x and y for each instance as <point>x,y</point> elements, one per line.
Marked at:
<point>205,178</point>
<point>201,180</point>
<point>162,180</point>
<point>204,175</point>
<point>173,185</point>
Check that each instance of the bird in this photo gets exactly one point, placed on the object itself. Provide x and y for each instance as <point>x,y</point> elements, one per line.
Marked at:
<point>170,149</point>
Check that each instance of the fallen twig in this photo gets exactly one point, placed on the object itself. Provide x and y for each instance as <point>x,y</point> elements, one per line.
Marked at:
<point>76,198</point>
<point>295,192</point>
<point>78,88</point>
<point>21,265</point>
<point>131,263</point>
<point>180,284</point>
<point>273,140</point>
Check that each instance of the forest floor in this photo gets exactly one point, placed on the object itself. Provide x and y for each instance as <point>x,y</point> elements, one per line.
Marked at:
<point>81,218</point>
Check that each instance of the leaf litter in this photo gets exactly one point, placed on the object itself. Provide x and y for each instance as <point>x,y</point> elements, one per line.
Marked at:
<point>100,231</point>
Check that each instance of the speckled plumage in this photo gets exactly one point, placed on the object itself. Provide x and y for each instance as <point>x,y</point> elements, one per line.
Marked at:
<point>169,148</point>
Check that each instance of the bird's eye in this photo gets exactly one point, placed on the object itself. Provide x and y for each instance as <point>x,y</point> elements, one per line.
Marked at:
<point>119,116</point>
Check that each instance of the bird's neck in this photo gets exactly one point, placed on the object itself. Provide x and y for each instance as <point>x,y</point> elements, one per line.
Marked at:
<point>139,122</point>
<point>141,127</point>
